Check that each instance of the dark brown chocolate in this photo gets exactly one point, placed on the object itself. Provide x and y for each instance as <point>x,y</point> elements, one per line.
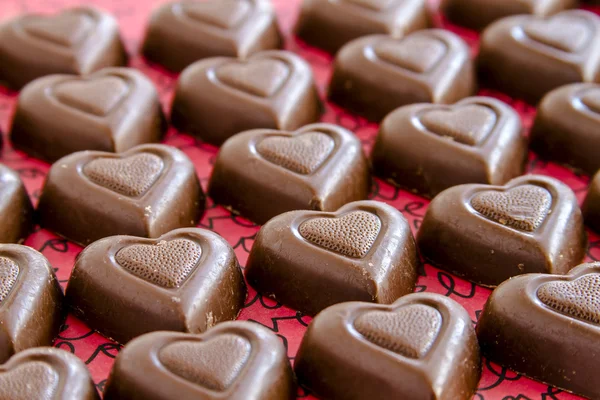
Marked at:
<point>263,173</point>
<point>488,234</point>
<point>46,373</point>
<point>79,40</point>
<point>421,347</point>
<point>547,327</point>
<point>31,301</point>
<point>428,148</point>
<point>527,56</point>
<point>591,205</point>
<point>310,260</point>
<point>235,360</point>
<point>186,280</point>
<point>146,191</point>
<point>181,33</point>
<point>16,211</point>
<point>331,24</point>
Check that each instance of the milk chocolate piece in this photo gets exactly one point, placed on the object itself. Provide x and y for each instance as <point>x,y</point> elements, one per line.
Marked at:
<point>46,373</point>
<point>428,148</point>
<point>263,173</point>
<point>183,32</point>
<point>421,347</point>
<point>488,234</point>
<point>566,127</point>
<point>16,211</point>
<point>186,280</point>
<point>477,14</point>
<point>376,74</point>
<point>527,56</point>
<point>79,40</point>
<point>219,97</point>
<point>547,327</point>
<point>31,301</point>
<point>235,360</point>
<point>310,260</point>
<point>331,24</point>
<point>591,205</point>
<point>111,110</point>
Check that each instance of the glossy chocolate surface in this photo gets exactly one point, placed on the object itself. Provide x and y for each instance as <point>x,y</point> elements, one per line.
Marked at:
<point>527,56</point>
<point>31,301</point>
<point>235,360</point>
<point>331,24</point>
<point>219,97</point>
<point>46,373</point>
<point>186,280</point>
<point>79,40</point>
<point>310,260</point>
<point>181,33</point>
<point>566,127</point>
<point>263,173</point>
<point>376,74</point>
<point>16,211</point>
<point>547,327</point>
<point>111,110</point>
<point>488,234</point>
<point>421,347</point>
<point>428,148</point>
<point>146,191</point>
<point>591,205</point>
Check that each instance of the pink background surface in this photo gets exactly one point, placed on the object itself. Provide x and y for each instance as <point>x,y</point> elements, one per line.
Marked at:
<point>99,353</point>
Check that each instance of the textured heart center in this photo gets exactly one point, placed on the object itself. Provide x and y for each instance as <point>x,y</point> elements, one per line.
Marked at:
<point>409,331</point>
<point>131,176</point>
<point>467,125</point>
<point>166,264</point>
<point>34,380</point>
<point>415,53</point>
<point>9,271</point>
<point>213,364</point>
<point>260,77</point>
<point>591,99</point>
<point>375,5</point>
<point>302,154</point>
<point>221,13</point>
<point>565,33</point>
<point>97,96</point>
<point>524,207</point>
<point>579,298</point>
<point>351,235</point>
<point>64,29</point>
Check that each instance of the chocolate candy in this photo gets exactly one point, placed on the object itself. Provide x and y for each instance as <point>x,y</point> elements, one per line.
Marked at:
<point>111,110</point>
<point>31,301</point>
<point>376,74</point>
<point>16,211</point>
<point>183,32</point>
<point>234,360</point>
<point>566,126</point>
<point>331,24</point>
<point>186,280</point>
<point>421,347</point>
<point>310,260</point>
<point>79,40</point>
<point>46,373</point>
<point>547,327</point>
<point>146,191</point>
<point>219,97</point>
<point>488,234</point>
<point>263,173</point>
<point>527,56</point>
<point>591,205</point>
<point>477,14</point>
<point>428,148</point>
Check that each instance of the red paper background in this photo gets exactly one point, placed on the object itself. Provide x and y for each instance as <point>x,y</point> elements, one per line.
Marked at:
<point>99,353</point>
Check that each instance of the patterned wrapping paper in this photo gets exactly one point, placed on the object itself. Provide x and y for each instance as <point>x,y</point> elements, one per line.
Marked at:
<point>99,353</point>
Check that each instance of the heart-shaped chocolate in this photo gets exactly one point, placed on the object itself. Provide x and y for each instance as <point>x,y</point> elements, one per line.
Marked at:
<point>33,380</point>
<point>415,53</point>
<point>166,263</point>
<point>224,14</point>
<point>9,271</point>
<point>96,96</point>
<point>213,364</point>
<point>591,99</point>
<point>302,154</point>
<point>579,298</point>
<point>261,77</point>
<point>64,29</point>
<point>565,33</point>
<point>469,124</point>
<point>375,5</point>
<point>523,207</point>
<point>351,235</point>
<point>131,176</point>
<point>409,331</point>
